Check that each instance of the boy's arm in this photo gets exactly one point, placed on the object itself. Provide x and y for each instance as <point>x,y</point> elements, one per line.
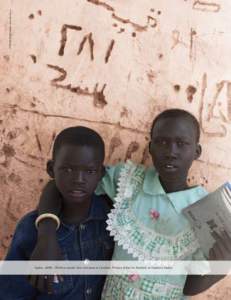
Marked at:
<point>16,286</point>
<point>221,250</point>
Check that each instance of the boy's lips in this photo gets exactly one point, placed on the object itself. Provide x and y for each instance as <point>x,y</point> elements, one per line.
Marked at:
<point>77,193</point>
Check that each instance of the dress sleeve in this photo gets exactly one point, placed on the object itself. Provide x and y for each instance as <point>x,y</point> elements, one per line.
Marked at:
<point>108,184</point>
<point>15,287</point>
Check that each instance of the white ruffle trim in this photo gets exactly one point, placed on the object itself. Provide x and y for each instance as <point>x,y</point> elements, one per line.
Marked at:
<point>140,241</point>
<point>118,288</point>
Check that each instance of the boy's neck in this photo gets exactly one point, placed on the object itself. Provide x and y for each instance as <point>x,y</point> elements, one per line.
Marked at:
<point>174,186</point>
<point>75,213</point>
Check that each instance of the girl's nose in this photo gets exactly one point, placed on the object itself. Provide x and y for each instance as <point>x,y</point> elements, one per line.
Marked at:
<point>172,150</point>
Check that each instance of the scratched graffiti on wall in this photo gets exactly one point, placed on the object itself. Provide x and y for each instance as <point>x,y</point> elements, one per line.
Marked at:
<point>133,60</point>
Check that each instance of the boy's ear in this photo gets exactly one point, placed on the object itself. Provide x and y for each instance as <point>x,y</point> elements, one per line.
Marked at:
<point>50,168</point>
<point>149,147</point>
<point>198,151</point>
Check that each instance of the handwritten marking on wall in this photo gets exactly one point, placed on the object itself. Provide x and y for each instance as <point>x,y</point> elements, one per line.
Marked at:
<point>34,58</point>
<point>145,155</point>
<point>151,76</point>
<point>220,86</point>
<point>99,99</point>
<point>192,37</point>
<point>38,142</point>
<point>63,40</point>
<point>206,6</point>
<point>62,76</point>
<point>177,87</point>
<point>137,27</point>
<point>151,21</point>
<point>114,144</point>
<point>8,152</point>
<point>10,28</point>
<point>52,141</point>
<point>88,38</point>
<point>176,39</point>
<point>103,4</point>
<point>190,91</point>
<point>109,50</point>
<point>133,147</point>
<point>221,130</point>
<point>229,99</point>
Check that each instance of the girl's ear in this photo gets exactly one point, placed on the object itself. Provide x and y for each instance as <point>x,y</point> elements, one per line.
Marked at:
<point>198,151</point>
<point>50,168</point>
<point>103,171</point>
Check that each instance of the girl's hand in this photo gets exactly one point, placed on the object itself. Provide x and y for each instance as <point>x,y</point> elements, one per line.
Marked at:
<point>50,199</point>
<point>47,248</point>
<point>221,250</point>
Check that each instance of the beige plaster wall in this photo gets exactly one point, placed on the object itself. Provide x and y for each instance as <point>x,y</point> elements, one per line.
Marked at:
<point>113,66</point>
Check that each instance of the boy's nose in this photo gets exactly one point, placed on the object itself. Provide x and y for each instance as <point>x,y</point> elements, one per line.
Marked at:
<point>78,176</point>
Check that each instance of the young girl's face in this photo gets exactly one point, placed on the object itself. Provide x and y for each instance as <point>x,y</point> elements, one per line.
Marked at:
<point>173,148</point>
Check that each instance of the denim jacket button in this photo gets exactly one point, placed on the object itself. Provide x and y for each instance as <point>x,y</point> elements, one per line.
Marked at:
<point>88,291</point>
<point>82,226</point>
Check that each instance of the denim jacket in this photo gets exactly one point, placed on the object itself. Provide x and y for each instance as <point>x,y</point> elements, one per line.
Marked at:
<point>88,240</point>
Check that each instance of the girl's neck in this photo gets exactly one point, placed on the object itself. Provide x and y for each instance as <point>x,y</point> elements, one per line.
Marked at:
<point>174,186</point>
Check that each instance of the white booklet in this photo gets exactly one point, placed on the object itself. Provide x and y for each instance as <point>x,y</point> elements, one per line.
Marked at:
<point>209,214</point>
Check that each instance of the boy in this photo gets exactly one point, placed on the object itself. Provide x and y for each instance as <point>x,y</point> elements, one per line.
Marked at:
<point>77,167</point>
<point>147,222</point>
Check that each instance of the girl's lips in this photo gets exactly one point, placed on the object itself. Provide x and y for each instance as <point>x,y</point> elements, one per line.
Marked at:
<point>169,168</point>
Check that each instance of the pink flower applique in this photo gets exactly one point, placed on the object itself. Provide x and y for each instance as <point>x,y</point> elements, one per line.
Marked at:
<point>133,277</point>
<point>154,214</point>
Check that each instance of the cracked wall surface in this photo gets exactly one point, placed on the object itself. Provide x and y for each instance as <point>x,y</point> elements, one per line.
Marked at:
<point>111,65</point>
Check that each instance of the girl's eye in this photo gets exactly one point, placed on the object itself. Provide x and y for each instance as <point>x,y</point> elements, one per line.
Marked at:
<point>68,170</point>
<point>162,142</point>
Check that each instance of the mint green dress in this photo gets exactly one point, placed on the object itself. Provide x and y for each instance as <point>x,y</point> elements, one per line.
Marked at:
<point>147,224</point>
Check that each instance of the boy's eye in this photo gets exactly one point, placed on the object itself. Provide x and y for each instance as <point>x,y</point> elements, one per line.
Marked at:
<point>181,143</point>
<point>91,171</point>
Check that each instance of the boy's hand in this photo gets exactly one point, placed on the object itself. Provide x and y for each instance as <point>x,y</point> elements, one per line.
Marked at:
<point>221,250</point>
<point>47,248</point>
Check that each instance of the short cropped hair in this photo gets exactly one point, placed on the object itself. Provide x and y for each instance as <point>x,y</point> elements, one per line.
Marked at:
<point>79,136</point>
<point>178,113</point>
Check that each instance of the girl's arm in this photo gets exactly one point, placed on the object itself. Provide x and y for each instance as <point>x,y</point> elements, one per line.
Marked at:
<point>196,284</point>
<point>221,250</point>
<point>47,247</point>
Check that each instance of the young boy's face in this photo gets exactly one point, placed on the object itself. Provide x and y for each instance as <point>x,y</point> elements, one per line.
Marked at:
<point>173,148</point>
<point>77,171</point>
